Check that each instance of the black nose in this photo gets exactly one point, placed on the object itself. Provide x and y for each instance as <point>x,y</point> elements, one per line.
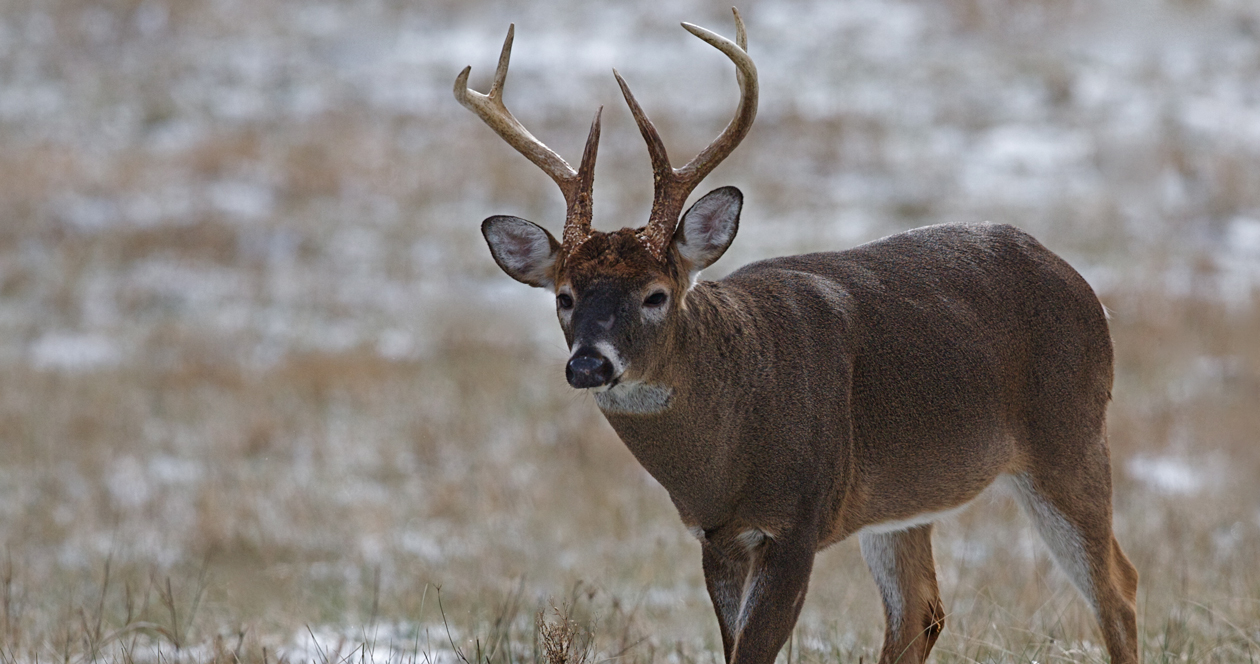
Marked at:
<point>588,369</point>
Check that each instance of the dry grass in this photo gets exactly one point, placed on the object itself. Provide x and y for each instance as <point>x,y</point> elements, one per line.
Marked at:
<point>329,491</point>
<point>306,398</point>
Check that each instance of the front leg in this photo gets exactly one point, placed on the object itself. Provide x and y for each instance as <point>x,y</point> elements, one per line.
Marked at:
<point>724,576</point>
<point>758,591</point>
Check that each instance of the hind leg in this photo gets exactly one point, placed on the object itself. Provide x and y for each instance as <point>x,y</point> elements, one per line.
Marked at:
<point>1074,519</point>
<point>905,572</point>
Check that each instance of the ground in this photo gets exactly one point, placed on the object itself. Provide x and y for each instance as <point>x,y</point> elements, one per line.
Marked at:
<point>263,392</point>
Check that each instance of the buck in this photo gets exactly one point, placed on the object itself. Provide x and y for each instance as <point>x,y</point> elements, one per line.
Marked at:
<point>805,399</point>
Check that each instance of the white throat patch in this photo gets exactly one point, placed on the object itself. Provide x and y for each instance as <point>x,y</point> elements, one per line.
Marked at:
<point>635,398</point>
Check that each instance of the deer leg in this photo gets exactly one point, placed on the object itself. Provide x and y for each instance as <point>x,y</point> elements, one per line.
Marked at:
<point>1074,519</point>
<point>905,572</point>
<point>771,594</point>
<point>724,577</point>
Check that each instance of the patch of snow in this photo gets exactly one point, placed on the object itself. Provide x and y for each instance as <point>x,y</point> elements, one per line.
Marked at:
<point>1167,475</point>
<point>73,351</point>
<point>1244,237</point>
<point>1223,118</point>
<point>970,551</point>
<point>87,213</point>
<point>1208,373</point>
<point>421,544</point>
<point>174,471</point>
<point>1024,164</point>
<point>388,643</point>
<point>243,199</point>
<point>128,484</point>
<point>1238,262</point>
<point>396,344</point>
<point>151,18</point>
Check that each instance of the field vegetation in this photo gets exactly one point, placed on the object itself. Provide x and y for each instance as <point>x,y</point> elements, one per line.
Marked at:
<point>265,397</point>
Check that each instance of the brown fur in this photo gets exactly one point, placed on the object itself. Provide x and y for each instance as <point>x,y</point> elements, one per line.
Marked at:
<point>816,395</point>
<point>803,399</point>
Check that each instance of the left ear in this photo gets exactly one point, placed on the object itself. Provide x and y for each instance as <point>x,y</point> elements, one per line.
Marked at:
<point>525,250</point>
<point>708,227</point>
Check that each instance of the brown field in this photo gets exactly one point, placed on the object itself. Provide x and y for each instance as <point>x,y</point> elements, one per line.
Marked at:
<point>264,396</point>
<point>228,511</point>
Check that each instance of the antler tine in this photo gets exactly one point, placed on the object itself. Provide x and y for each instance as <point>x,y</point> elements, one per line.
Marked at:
<point>491,109</point>
<point>575,185</point>
<point>745,113</point>
<point>500,70</point>
<point>656,147</point>
<point>577,224</point>
<point>673,185</point>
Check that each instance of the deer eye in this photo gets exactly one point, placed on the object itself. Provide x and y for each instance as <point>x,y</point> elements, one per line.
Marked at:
<point>564,301</point>
<point>655,299</point>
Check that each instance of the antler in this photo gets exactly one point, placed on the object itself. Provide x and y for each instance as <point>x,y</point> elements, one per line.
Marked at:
<point>575,185</point>
<point>673,185</point>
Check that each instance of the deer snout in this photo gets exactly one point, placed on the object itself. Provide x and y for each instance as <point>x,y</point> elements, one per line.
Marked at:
<point>588,368</point>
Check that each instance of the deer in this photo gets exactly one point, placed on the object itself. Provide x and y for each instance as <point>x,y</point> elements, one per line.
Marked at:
<point>801,400</point>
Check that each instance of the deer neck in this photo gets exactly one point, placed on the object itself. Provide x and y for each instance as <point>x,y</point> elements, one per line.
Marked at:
<point>681,429</point>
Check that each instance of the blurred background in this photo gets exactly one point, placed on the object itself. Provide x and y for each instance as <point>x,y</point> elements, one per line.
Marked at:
<point>263,390</point>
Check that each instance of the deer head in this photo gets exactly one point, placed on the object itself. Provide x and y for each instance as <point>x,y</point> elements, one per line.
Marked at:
<point>618,294</point>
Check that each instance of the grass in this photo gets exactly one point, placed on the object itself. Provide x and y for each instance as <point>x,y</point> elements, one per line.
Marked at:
<point>206,512</point>
<point>320,401</point>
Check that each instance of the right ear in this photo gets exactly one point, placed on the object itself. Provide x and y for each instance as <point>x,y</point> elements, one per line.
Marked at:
<point>525,250</point>
<point>708,227</point>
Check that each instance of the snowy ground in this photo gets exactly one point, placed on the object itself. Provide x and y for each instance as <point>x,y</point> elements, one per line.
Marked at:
<point>246,315</point>
<point>318,145</point>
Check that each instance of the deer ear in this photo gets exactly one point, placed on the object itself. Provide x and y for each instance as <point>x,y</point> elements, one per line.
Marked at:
<point>525,250</point>
<point>708,227</point>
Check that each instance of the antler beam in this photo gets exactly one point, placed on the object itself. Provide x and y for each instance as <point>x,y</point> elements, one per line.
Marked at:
<point>575,185</point>
<point>673,185</point>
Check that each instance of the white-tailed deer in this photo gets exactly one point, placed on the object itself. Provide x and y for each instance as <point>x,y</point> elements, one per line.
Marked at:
<point>805,399</point>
